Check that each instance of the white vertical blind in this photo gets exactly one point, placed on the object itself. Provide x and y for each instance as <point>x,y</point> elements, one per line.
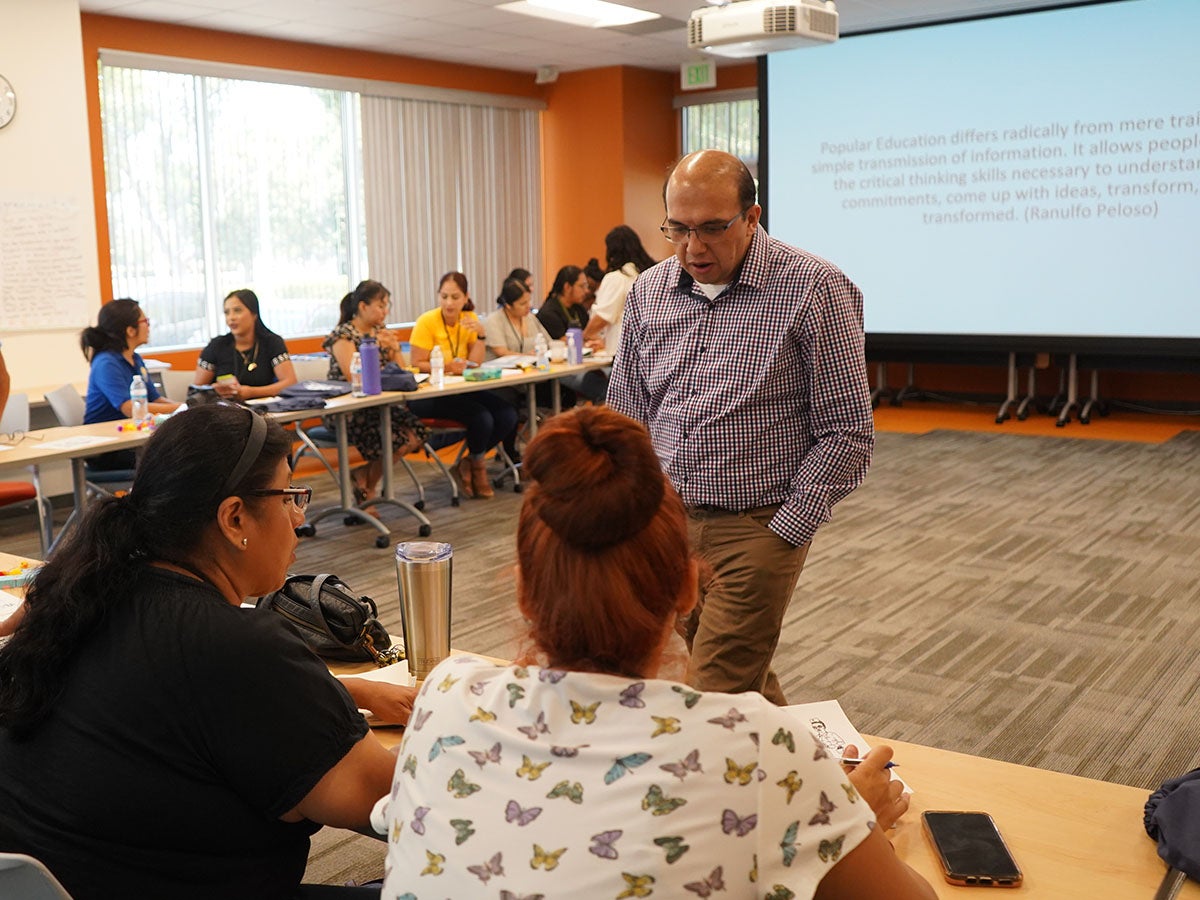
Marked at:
<point>449,187</point>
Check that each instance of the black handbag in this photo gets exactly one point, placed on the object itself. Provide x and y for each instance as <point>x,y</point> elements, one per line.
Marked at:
<point>394,378</point>
<point>334,621</point>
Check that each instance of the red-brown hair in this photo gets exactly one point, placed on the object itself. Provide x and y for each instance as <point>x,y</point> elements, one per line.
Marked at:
<point>602,543</point>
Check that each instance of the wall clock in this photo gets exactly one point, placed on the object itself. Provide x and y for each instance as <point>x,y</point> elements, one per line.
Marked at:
<point>8,101</point>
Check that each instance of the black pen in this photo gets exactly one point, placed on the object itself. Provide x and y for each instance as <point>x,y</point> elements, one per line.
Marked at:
<point>851,761</point>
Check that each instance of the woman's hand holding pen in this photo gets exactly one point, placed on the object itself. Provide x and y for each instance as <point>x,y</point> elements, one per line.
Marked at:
<point>873,781</point>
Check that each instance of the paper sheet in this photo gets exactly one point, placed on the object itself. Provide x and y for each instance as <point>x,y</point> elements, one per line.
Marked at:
<point>832,727</point>
<point>512,361</point>
<point>8,602</point>
<point>75,443</point>
<point>397,673</point>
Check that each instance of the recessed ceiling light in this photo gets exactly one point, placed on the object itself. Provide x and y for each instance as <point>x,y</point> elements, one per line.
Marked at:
<point>588,13</point>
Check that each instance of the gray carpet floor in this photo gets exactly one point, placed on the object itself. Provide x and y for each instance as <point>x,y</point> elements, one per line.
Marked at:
<point>1035,600</point>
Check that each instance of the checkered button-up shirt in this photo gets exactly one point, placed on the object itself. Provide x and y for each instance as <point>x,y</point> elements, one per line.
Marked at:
<point>758,397</point>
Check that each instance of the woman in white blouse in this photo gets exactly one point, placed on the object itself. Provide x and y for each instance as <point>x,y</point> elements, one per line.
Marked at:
<point>626,258</point>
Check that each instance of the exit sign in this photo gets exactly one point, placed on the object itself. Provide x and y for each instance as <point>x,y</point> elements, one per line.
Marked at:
<point>696,75</point>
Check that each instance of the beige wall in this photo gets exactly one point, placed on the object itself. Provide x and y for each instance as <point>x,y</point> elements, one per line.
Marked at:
<point>44,159</point>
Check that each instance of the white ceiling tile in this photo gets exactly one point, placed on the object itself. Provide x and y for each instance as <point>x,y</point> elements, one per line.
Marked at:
<point>164,10</point>
<point>473,31</point>
<point>107,7</point>
<point>236,22</point>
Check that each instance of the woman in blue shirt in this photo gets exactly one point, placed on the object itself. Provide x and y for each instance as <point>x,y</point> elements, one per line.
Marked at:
<point>109,346</point>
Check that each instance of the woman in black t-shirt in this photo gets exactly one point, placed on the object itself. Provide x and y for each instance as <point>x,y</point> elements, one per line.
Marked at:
<point>158,739</point>
<point>563,307</point>
<point>254,358</point>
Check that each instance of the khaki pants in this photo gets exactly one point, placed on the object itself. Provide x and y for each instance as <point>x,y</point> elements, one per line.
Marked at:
<point>734,629</point>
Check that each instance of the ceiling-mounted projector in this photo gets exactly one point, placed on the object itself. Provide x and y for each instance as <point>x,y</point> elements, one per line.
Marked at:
<point>746,28</point>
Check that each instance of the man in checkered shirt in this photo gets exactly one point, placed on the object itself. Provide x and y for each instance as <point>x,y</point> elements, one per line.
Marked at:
<point>744,358</point>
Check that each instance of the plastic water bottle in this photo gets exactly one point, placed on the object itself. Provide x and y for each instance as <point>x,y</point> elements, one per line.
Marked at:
<point>542,351</point>
<point>574,346</point>
<point>138,394</point>
<point>368,352</point>
<point>356,366</point>
<point>437,368</point>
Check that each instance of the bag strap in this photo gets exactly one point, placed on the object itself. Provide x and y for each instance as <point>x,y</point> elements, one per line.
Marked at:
<point>384,657</point>
<point>314,596</point>
<point>1171,884</point>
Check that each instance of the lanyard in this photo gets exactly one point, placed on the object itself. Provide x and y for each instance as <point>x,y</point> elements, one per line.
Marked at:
<point>457,334</point>
<point>520,345</point>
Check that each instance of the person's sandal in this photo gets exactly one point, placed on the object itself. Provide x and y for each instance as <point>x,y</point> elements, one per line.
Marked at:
<point>356,488</point>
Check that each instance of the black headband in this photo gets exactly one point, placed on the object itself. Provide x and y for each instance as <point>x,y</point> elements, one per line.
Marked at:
<point>254,445</point>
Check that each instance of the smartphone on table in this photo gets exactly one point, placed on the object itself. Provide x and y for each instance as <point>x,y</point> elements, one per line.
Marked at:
<point>970,849</point>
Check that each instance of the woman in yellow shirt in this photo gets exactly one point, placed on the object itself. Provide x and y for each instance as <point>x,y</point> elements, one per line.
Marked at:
<point>488,419</point>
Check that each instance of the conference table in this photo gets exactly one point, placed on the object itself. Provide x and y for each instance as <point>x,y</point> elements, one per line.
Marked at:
<point>75,444</point>
<point>339,407</point>
<point>1072,837</point>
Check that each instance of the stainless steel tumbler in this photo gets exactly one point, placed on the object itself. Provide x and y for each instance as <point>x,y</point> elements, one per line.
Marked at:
<point>423,574</point>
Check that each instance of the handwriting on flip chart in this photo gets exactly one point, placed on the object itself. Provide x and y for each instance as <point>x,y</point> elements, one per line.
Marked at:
<point>43,281</point>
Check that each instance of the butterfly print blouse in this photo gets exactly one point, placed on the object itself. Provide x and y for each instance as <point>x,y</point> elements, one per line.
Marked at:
<point>526,782</point>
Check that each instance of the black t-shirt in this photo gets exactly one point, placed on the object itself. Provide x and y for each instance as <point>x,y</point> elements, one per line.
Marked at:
<point>556,319</point>
<point>186,728</point>
<point>221,357</point>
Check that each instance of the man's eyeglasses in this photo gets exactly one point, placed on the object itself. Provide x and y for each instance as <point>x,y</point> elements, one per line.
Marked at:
<point>300,494</point>
<point>706,233</point>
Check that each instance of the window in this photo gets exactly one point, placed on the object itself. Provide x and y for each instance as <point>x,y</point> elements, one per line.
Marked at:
<point>730,125</point>
<point>216,184</point>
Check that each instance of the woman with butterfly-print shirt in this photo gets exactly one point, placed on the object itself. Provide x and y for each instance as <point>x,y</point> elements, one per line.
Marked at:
<point>581,771</point>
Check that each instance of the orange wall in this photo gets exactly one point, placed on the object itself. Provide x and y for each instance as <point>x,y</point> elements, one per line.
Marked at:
<point>608,137</point>
<point>582,166</point>
<point>651,146</point>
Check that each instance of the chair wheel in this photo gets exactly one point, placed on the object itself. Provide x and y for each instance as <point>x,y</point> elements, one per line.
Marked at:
<point>518,488</point>
<point>454,501</point>
<point>425,530</point>
<point>306,530</point>
<point>382,541</point>
<point>420,504</point>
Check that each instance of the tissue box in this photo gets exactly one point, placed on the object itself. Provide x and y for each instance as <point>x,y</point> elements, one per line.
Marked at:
<point>483,373</point>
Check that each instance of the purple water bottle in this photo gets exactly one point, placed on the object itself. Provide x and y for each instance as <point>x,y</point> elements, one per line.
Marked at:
<point>369,350</point>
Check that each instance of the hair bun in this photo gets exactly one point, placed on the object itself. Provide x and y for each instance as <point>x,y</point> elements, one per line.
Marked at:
<point>611,486</point>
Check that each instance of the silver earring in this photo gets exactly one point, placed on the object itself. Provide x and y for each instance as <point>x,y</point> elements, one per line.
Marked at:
<point>244,543</point>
